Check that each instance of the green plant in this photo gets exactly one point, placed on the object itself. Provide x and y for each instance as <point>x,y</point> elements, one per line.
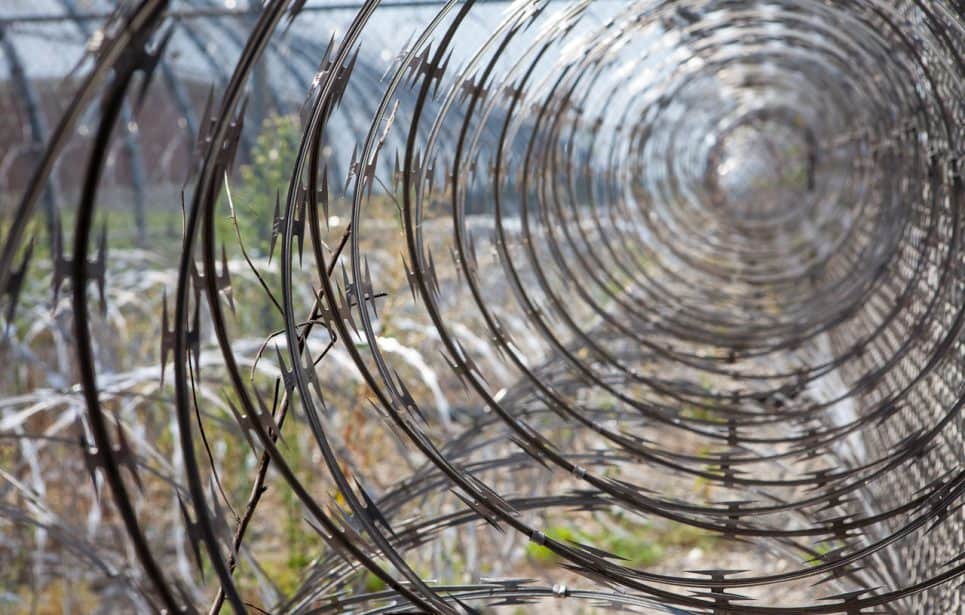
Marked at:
<point>259,184</point>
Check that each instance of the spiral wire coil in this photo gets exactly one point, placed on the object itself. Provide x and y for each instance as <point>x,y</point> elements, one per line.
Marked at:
<point>651,244</point>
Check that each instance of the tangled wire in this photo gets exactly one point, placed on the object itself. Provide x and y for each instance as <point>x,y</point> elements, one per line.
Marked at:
<point>686,263</point>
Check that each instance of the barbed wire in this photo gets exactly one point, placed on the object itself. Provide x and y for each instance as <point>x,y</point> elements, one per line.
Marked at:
<point>723,222</point>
